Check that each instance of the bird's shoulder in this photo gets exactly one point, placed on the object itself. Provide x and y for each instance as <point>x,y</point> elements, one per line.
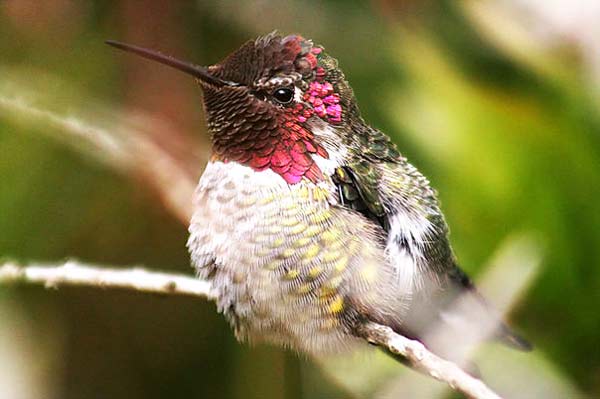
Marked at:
<point>377,181</point>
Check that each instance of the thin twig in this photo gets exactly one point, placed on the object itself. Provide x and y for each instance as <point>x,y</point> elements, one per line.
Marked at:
<point>136,279</point>
<point>75,273</point>
<point>423,360</point>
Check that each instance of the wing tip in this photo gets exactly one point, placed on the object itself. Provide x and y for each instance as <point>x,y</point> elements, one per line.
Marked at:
<point>514,340</point>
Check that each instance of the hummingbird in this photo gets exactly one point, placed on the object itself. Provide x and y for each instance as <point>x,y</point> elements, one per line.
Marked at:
<point>307,221</point>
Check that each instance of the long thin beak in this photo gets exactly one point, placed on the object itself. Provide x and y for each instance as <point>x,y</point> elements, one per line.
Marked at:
<point>199,72</point>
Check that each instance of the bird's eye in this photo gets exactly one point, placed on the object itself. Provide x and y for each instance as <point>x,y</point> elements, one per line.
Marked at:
<point>283,95</point>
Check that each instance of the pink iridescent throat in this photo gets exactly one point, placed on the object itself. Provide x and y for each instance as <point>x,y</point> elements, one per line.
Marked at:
<point>293,156</point>
<point>290,151</point>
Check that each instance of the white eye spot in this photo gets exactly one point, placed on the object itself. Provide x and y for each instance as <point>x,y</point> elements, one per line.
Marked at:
<point>298,95</point>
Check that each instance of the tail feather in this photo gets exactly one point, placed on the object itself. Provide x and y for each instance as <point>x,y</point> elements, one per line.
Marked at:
<point>512,339</point>
<point>504,333</point>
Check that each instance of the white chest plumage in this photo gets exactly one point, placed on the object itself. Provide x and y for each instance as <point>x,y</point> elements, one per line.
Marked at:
<point>287,265</point>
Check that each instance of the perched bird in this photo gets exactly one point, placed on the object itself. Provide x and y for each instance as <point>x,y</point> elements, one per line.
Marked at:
<point>309,222</point>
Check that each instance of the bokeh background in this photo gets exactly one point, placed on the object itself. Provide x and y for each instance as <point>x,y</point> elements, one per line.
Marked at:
<point>496,101</point>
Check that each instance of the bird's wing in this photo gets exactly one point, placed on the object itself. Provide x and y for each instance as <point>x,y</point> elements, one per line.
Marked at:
<point>381,185</point>
<point>393,194</point>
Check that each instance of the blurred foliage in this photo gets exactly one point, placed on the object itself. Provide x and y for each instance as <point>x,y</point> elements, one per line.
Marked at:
<point>501,117</point>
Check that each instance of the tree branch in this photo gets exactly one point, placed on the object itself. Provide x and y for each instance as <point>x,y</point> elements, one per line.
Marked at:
<point>136,279</point>
<point>423,360</point>
<point>78,274</point>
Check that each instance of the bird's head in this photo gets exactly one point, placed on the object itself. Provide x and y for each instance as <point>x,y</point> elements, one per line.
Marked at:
<point>271,103</point>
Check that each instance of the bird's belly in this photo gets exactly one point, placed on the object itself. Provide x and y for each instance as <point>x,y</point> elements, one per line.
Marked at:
<point>287,266</point>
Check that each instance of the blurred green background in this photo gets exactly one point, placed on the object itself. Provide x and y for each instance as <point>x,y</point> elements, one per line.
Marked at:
<point>495,101</point>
